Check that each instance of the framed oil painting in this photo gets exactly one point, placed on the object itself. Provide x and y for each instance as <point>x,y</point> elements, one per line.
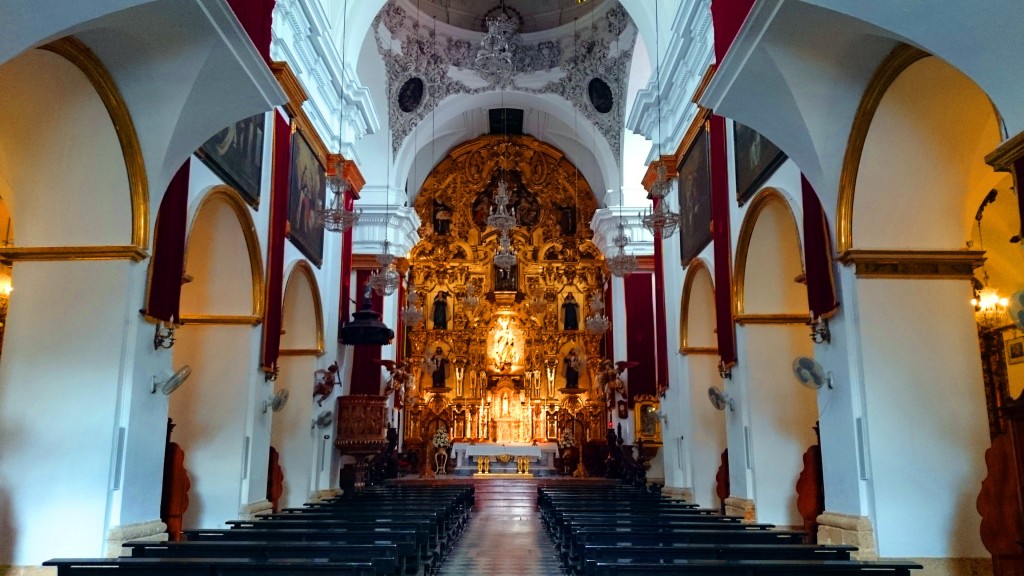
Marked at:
<point>695,199</point>
<point>235,154</point>
<point>1015,351</point>
<point>307,189</point>
<point>756,158</point>
<point>647,420</point>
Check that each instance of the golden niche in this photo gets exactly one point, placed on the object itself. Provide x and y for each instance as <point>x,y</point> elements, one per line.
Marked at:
<point>509,361</point>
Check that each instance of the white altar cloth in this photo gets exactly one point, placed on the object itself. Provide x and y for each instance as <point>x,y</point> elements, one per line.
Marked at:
<point>489,449</point>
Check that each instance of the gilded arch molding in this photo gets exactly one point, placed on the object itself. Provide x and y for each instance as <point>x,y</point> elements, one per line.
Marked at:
<point>692,272</point>
<point>233,200</point>
<point>763,199</point>
<point>302,268</point>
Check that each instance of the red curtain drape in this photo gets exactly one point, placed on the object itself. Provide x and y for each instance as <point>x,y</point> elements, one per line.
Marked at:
<point>168,264</point>
<point>256,17</point>
<point>400,326</point>
<point>366,371</point>
<point>821,286</point>
<point>727,16</point>
<point>609,338</point>
<point>659,309</point>
<point>640,334</point>
<point>723,243</point>
<point>275,246</point>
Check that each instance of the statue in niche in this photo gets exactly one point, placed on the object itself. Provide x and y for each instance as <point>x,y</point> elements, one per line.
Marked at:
<point>442,218</point>
<point>441,313</point>
<point>570,313</point>
<point>506,280</point>
<point>572,370</point>
<point>438,368</point>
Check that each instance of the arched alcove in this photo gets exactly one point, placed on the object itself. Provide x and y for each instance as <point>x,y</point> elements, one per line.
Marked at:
<point>302,343</point>
<point>221,302</point>
<point>914,179</point>
<point>771,307</point>
<point>698,336</point>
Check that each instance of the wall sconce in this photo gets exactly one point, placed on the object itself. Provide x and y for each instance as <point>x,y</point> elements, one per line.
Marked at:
<point>819,331</point>
<point>164,339</point>
<point>272,374</point>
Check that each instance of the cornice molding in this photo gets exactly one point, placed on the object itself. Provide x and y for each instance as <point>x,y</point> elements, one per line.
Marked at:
<point>914,264</point>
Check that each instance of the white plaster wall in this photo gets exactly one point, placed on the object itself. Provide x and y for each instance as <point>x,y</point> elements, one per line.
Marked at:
<point>59,385</point>
<point>782,417</point>
<point>923,156</point>
<point>291,433</point>
<point>707,434</point>
<point>210,413</point>
<point>926,424</point>
<point>52,114</point>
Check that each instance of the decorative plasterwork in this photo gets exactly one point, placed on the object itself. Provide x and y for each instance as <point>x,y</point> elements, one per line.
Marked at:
<point>641,243</point>
<point>684,67</point>
<point>561,66</point>
<point>401,223</point>
<point>301,37</point>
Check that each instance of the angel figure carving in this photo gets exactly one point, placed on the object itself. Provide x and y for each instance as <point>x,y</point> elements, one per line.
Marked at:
<point>610,376</point>
<point>400,381</point>
<point>325,381</point>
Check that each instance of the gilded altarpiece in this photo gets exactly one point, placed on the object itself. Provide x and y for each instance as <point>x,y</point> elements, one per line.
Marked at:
<point>515,366</point>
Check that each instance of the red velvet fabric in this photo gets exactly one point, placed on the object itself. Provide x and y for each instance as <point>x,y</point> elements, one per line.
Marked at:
<point>256,17</point>
<point>164,300</point>
<point>727,17</point>
<point>640,335</point>
<point>659,309</point>
<point>609,339</point>
<point>279,180</point>
<point>720,199</point>
<point>821,286</point>
<point>366,372</point>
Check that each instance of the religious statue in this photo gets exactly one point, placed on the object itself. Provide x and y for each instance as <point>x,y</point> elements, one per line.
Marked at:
<point>572,370</point>
<point>400,380</point>
<point>325,381</point>
<point>439,368</point>
<point>570,313</point>
<point>442,218</point>
<point>610,376</point>
<point>440,314</point>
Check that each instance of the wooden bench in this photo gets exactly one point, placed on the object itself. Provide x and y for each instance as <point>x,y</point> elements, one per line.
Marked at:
<point>762,567</point>
<point>592,555</point>
<point>207,567</point>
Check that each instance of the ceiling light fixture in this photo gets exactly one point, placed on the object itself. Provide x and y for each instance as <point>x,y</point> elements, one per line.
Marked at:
<point>661,221</point>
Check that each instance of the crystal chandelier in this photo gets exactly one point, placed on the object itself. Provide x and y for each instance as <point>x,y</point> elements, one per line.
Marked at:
<point>385,280</point>
<point>990,308</point>
<point>622,264</point>
<point>412,314</point>
<point>505,256</point>
<point>661,221</point>
<point>470,301</point>
<point>500,218</point>
<point>597,322</point>
<point>336,218</point>
<point>498,46</point>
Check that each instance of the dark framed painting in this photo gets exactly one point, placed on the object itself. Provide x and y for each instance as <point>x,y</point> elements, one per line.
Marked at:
<point>756,158</point>
<point>235,154</point>
<point>307,190</point>
<point>695,199</point>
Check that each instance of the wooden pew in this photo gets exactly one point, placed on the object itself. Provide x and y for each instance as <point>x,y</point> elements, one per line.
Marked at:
<point>207,567</point>
<point>762,567</point>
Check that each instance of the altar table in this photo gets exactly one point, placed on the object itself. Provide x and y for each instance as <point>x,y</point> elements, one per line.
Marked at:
<point>523,454</point>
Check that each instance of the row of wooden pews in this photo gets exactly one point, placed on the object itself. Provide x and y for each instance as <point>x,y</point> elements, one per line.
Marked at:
<point>623,530</point>
<point>390,530</point>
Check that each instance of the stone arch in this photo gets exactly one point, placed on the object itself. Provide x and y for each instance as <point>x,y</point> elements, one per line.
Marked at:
<point>697,317</point>
<point>769,259</point>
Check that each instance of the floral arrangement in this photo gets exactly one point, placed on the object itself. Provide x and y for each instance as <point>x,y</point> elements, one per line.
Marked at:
<point>441,440</point>
<point>567,440</point>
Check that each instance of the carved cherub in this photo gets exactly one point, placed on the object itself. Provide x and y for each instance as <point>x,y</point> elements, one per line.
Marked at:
<point>325,382</point>
<point>610,377</point>
<point>400,380</point>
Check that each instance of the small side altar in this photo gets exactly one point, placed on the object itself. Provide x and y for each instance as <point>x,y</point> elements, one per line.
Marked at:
<point>504,458</point>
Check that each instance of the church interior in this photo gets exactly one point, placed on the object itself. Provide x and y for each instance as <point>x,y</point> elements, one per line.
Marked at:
<point>757,257</point>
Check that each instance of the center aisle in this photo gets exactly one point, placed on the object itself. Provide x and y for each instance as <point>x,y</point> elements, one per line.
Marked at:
<point>505,536</point>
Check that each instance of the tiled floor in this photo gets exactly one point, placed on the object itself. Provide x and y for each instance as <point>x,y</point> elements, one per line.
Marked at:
<point>505,536</point>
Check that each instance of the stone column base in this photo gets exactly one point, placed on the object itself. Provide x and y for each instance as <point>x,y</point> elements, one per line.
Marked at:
<point>153,531</point>
<point>321,495</point>
<point>741,507</point>
<point>836,528</point>
<point>253,510</point>
<point>684,494</point>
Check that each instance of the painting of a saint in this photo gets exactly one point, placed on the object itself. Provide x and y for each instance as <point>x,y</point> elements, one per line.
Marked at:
<point>306,193</point>
<point>695,199</point>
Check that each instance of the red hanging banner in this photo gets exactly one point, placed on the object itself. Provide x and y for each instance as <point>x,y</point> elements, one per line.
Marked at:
<point>727,16</point>
<point>821,284</point>
<point>659,309</point>
<point>640,335</point>
<point>720,199</point>
<point>275,244</point>
<point>164,299</point>
<point>256,17</point>
<point>366,370</point>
